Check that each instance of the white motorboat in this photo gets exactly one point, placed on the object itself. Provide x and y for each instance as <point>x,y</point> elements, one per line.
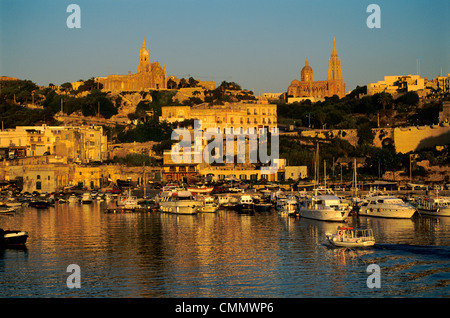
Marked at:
<point>324,207</point>
<point>386,206</point>
<point>180,202</point>
<point>209,204</point>
<point>351,237</point>
<point>287,204</point>
<point>73,198</point>
<point>86,198</point>
<point>436,206</point>
<point>127,200</point>
<point>245,203</point>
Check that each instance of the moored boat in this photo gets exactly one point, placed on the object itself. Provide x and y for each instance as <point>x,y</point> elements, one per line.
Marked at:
<point>86,198</point>
<point>245,203</point>
<point>386,206</point>
<point>179,202</point>
<point>435,206</point>
<point>324,207</point>
<point>9,238</point>
<point>351,237</point>
<point>287,205</point>
<point>39,204</point>
<point>209,204</point>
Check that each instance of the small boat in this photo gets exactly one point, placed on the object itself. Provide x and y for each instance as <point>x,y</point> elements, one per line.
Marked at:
<point>351,237</point>
<point>73,199</point>
<point>7,211</point>
<point>386,206</point>
<point>436,206</point>
<point>287,205</point>
<point>130,203</point>
<point>245,203</point>
<point>39,204</point>
<point>262,205</point>
<point>209,204</point>
<point>86,198</point>
<point>8,237</point>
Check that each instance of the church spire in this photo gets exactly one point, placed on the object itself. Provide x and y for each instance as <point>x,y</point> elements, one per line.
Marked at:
<point>334,47</point>
<point>143,43</point>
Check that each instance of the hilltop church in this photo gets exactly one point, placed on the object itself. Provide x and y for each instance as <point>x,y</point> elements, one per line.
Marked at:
<point>307,87</point>
<point>148,76</point>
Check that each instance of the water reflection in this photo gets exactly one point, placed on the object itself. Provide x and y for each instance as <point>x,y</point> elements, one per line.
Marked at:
<point>223,254</point>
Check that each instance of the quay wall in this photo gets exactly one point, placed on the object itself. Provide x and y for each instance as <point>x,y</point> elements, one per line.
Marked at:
<point>405,139</point>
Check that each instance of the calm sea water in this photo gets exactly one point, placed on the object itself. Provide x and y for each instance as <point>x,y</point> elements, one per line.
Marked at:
<point>224,254</point>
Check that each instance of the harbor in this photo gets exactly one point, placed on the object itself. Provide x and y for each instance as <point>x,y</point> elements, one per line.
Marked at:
<point>230,252</point>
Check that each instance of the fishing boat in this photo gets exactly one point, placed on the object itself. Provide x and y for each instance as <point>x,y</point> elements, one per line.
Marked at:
<point>209,204</point>
<point>324,207</point>
<point>386,206</point>
<point>8,237</point>
<point>351,237</point>
<point>86,198</point>
<point>287,204</point>
<point>245,203</point>
<point>179,202</point>
<point>436,206</point>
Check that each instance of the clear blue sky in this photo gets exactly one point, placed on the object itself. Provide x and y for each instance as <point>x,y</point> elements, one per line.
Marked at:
<point>262,45</point>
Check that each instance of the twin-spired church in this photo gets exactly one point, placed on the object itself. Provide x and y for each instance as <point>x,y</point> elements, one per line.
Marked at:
<point>307,87</point>
<point>148,76</point>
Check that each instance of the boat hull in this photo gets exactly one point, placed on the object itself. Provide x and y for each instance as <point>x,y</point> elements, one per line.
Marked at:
<point>434,212</point>
<point>388,213</point>
<point>184,207</point>
<point>324,215</point>
<point>11,238</point>
<point>351,244</point>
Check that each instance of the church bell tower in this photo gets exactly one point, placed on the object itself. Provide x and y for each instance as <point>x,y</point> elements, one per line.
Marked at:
<point>144,62</point>
<point>334,65</point>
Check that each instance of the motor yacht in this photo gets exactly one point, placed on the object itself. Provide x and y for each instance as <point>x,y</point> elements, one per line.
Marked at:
<point>386,206</point>
<point>324,207</point>
<point>179,202</point>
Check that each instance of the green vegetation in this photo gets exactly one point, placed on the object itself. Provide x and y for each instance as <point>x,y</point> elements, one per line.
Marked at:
<point>351,112</point>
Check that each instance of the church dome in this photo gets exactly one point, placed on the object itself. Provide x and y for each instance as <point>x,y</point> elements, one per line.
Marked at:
<point>307,72</point>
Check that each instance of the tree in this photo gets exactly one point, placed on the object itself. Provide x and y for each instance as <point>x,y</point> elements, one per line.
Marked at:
<point>171,84</point>
<point>365,134</point>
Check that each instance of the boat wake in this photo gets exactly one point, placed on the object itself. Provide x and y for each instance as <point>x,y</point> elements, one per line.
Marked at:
<point>433,250</point>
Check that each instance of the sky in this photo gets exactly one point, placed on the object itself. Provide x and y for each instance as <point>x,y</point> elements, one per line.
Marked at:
<point>261,45</point>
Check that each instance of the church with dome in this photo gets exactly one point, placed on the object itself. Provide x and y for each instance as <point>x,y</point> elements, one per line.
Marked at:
<point>307,87</point>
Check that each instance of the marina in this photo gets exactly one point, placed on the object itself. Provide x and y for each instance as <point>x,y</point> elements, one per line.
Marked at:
<point>149,252</point>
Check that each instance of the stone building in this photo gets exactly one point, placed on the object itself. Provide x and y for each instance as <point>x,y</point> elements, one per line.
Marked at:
<point>307,87</point>
<point>148,76</point>
<point>81,144</point>
<point>229,116</point>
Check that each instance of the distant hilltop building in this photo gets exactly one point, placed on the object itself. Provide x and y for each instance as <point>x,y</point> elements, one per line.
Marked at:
<point>398,84</point>
<point>307,88</point>
<point>148,76</point>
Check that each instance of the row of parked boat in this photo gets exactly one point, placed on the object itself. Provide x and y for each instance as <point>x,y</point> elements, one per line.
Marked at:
<point>319,205</point>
